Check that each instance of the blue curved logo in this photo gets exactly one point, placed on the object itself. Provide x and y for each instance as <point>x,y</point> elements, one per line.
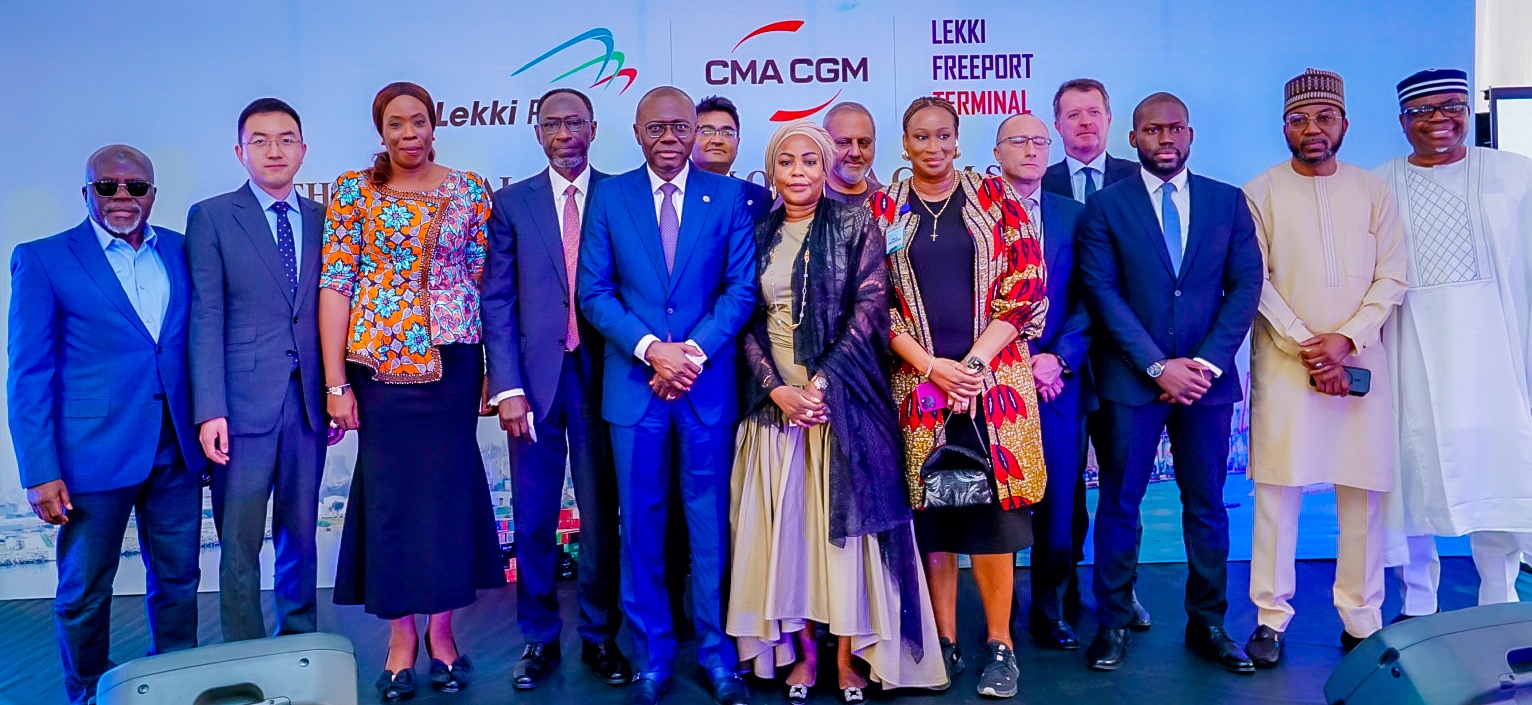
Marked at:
<point>604,36</point>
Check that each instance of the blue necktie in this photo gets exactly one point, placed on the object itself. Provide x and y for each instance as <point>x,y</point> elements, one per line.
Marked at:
<point>1170,225</point>
<point>1090,182</point>
<point>285,245</point>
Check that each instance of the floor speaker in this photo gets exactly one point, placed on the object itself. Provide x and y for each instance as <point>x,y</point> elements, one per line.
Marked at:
<point>300,669</point>
<point>1479,655</point>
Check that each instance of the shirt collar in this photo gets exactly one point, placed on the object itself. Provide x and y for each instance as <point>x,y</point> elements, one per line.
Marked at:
<point>655,182</point>
<point>1153,182</point>
<point>106,239</point>
<point>266,200</point>
<point>581,182</point>
<point>1075,165</point>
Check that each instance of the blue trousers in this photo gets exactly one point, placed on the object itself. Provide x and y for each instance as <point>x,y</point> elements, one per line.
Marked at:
<point>670,438</point>
<point>168,509</point>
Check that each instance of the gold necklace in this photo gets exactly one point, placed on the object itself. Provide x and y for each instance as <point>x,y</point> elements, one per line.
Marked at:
<point>803,299</point>
<point>936,215</point>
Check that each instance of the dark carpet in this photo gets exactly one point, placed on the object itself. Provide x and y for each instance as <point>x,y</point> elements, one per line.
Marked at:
<point>1159,670</point>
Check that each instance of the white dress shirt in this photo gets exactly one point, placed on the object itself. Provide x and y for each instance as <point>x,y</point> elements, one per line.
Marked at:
<point>1182,198</point>
<point>1077,174</point>
<point>142,274</point>
<point>294,218</point>
<point>677,199</point>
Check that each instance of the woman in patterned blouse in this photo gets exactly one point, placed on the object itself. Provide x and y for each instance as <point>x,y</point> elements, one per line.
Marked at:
<point>399,328</point>
<point>968,293</point>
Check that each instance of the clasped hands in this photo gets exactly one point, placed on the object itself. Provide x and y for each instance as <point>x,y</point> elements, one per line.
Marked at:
<point>962,384</point>
<point>1183,381</point>
<point>674,371</point>
<point>1324,356</point>
<point>1048,375</point>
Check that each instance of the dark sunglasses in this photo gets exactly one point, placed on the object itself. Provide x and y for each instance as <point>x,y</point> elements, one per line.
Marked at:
<point>107,188</point>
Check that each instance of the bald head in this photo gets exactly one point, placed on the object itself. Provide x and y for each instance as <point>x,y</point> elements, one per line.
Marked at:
<point>666,128</point>
<point>662,93</point>
<point>118,154</point>
<point>119,169</point>
<point>1021,150</point>
<point>1021,122</point>
<point>1159,100</point>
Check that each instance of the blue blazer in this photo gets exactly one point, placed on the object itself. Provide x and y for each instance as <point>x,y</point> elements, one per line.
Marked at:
<point>626,293</point>
<point>1056,179</point>
<point>758,199</point>
<point>1143,311</point>
<point>524,335</point>
<point>85,376</point>
<point>1066,330</point>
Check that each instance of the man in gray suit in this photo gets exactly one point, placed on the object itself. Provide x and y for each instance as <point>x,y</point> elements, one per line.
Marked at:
<point>254,349</point>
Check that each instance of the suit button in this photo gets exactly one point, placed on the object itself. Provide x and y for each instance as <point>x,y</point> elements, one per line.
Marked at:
<point>671,311</point>
<point>159,397</point>
<point>1172,331</point>
<point>291,353</point>
<point>1178,292</point>
<point>159,349</point>
<point>566,303</point>
<point>561,342</point>
<point>295,318</point>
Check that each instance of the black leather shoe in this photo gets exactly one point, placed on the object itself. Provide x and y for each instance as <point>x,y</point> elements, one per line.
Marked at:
<point>1348,642</point>
<point>451,678</point>
<point>952,657</point>
<point>1058,635</point>
<point>1109,649</point>
<point>1265,647</point>
<point>610,666</point>
<point>1072,607</point>
<point>646,691</point>
<point>396,687</point>
<point>538,661</point>
<point>1141,621</point>
<point>730,690</point>
<point>1214,644</point>
<point>1402,617</point>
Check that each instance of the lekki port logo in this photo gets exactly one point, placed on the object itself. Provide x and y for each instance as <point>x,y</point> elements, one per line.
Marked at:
<point>612,63</point>
<point>781,70</point>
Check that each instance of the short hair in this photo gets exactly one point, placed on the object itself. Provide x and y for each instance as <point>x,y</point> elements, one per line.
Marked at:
<point>927,101</point>
<point>583,99</point>
<point>266,105</point>
<point>1081,84</point>
<point>717,104</point>
<point>1156,99</point>
<point>852,107</point>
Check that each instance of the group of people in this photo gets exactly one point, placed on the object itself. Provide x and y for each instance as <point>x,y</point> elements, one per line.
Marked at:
<point>800,403</point>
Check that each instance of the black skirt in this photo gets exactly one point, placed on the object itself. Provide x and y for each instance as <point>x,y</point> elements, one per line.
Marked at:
<point>977,530</point>
<point>420,530</point>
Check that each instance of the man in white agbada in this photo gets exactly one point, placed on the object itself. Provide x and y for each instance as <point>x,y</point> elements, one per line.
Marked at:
<point>1335,261</point>
<point>1460,345</point>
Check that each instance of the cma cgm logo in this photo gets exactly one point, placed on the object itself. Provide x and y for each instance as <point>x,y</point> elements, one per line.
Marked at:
<point>608,58</point>
<point>803,70</point>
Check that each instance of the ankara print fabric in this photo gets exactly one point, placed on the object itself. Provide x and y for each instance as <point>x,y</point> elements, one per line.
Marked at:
<point>411,264</point>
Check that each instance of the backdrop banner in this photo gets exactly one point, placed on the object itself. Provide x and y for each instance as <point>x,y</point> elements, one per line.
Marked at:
<point>170,78</point>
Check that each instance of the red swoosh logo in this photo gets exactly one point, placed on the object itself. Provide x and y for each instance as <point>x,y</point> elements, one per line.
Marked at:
<point>783,26</point>
<point>786,115</point>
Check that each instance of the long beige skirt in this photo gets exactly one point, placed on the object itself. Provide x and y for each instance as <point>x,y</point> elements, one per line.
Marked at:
<point>786,573</point>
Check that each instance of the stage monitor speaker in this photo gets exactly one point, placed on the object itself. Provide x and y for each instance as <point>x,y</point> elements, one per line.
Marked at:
<point>1479,655</point>
<point>300,669</point>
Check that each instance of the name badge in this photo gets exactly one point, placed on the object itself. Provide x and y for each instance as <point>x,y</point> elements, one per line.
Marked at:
<point>895,239</point>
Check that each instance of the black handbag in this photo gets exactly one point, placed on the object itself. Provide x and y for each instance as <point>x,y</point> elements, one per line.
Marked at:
<point>954,475</point>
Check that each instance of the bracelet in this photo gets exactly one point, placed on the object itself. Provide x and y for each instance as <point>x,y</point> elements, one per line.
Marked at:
<point>930,367</point>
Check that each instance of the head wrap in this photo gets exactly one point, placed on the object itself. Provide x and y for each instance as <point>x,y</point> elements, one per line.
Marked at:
<point>1432,82</point>
<point>1315,86</point>
<point>808,129</point>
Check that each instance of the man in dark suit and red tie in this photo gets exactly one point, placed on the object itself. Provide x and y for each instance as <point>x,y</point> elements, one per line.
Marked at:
<point>254,259</point>
<point>667,275</point>
<point>545,365</point>
<point>1172,274</point>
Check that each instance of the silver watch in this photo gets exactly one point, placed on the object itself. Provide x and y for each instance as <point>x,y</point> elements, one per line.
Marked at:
<point>1156,369</point>
<point>339,391</point>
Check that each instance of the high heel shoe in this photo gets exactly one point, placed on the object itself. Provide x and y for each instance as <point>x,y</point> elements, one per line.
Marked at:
<point>447,678</point>
<point>797,694</point>
<point>397,687</point>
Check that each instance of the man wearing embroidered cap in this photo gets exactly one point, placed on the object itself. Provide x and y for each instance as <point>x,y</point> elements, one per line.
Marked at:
<point>1460,345</point>
<point>1334,271</point>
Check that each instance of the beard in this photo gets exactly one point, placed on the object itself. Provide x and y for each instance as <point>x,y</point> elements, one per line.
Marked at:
<point>132,227</point>
<point>851,175</point>
<point>1154,167</point>
<point>567,162</point>
<point>1315,161</point>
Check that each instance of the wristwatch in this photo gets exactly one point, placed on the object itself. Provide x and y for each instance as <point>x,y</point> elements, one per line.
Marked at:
<point>821,383</point>
<point>1156,369</point>
<point>339,391</point>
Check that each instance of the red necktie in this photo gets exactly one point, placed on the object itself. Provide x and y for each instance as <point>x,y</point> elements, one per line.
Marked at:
<point>571,261</point>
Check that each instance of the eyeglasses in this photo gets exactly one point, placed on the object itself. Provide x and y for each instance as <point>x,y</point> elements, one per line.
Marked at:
<point>1426,112</point>
<point>656,130</point>
<point>284,143</point>
<point>576,125</point>
<point>1019,141</point>
<point>107,188</point>
<point>1325,120</point>
<point>709,131</point>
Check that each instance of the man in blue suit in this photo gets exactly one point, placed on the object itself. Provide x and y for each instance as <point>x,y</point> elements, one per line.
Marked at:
<point>1172,275</point>
<point>1060,371</point>
<point>254,260</point>
<point>667,269</point>
<point>100,414</point>
<point>545,376</point>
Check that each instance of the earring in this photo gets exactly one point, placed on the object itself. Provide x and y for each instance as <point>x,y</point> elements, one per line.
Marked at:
<point>957,153</point>
<point>904,155</point>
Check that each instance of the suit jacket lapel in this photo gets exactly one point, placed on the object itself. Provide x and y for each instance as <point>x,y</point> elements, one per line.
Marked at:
<point>88,250</point>
<point>1051,228</point>
<point>1138,201</point>
<point>1195,240</point>
<point>542,203</point>
<point>640,202</point>
<point>251,219</point>
<point>699,196</point>
<point>313,248</point>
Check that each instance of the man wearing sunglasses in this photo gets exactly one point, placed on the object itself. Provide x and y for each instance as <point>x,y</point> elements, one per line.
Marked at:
<point>545,363</point>
<point>667,276</point>
<point>256,379</point>
<point>717,146</point>
<point>1460,345</point>
<point>100,414</point>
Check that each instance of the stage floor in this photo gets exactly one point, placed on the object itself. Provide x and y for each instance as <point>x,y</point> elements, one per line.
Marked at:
<point>1159,669</point>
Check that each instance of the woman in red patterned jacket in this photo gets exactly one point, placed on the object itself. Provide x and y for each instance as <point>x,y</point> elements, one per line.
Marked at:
<point>969,291</point>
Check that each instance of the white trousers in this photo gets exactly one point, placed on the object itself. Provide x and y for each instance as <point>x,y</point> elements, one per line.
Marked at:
<point>1496,555</point>
<point>1358,588</point>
